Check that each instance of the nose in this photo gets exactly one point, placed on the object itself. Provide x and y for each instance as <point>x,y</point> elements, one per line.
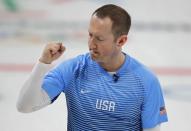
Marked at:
<point>92,44</point>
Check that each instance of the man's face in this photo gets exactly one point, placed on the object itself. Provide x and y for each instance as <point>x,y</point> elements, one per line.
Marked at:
<point>101,40</point>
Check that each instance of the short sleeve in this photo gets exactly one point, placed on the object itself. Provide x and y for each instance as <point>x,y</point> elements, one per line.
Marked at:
<point>153,110</point>
<point>56,81</point>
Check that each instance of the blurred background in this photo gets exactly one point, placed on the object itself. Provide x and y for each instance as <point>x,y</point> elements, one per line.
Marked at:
<point>160,38</point>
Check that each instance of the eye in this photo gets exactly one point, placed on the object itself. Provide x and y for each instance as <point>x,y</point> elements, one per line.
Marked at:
<point>99,39</point>
<point>90,34</point>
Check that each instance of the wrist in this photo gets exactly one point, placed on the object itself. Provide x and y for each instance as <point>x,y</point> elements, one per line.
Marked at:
<point>44,61</point>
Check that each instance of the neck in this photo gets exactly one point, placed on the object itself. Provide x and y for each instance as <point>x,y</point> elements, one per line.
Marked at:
<point>114,63</point>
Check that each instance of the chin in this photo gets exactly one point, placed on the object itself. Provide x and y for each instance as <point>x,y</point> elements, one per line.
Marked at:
<point>95,58</point>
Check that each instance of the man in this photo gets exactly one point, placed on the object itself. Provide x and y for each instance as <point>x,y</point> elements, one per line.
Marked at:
<point>106,89</point>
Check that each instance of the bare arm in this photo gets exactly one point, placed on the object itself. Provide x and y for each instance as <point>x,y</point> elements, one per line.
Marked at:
<point>32,97</point>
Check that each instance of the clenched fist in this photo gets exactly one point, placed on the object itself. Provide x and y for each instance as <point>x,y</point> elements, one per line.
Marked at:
<point>52,51</point>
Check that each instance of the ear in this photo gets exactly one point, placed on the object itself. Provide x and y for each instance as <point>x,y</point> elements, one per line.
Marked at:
<point>121,40</point>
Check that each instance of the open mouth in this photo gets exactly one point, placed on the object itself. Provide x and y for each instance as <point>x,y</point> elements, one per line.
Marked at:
<point>93,52</point>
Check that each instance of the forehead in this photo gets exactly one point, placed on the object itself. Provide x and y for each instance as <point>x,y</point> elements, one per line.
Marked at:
<point>100,25</point>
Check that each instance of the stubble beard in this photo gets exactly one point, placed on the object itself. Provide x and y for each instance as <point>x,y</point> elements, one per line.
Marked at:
<point>95,56</point>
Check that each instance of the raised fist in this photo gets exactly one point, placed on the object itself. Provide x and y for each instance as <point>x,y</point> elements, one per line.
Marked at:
<point>51,52</point>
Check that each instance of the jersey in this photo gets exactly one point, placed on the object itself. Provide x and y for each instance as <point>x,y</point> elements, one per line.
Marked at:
<point>98,102</point>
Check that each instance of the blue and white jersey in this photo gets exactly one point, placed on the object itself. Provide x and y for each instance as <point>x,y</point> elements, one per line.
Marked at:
<point>97,102</point>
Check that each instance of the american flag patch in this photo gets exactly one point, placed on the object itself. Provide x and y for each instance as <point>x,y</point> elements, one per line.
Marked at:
<point>162,110</point>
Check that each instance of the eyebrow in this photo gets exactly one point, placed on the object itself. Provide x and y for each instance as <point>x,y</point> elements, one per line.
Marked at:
<point>95,34</point>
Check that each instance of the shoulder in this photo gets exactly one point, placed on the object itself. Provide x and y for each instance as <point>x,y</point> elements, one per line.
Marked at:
<point>73,65</point>
<point>143,72</point>
<point>148,79</point>
<point>76,61</point>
